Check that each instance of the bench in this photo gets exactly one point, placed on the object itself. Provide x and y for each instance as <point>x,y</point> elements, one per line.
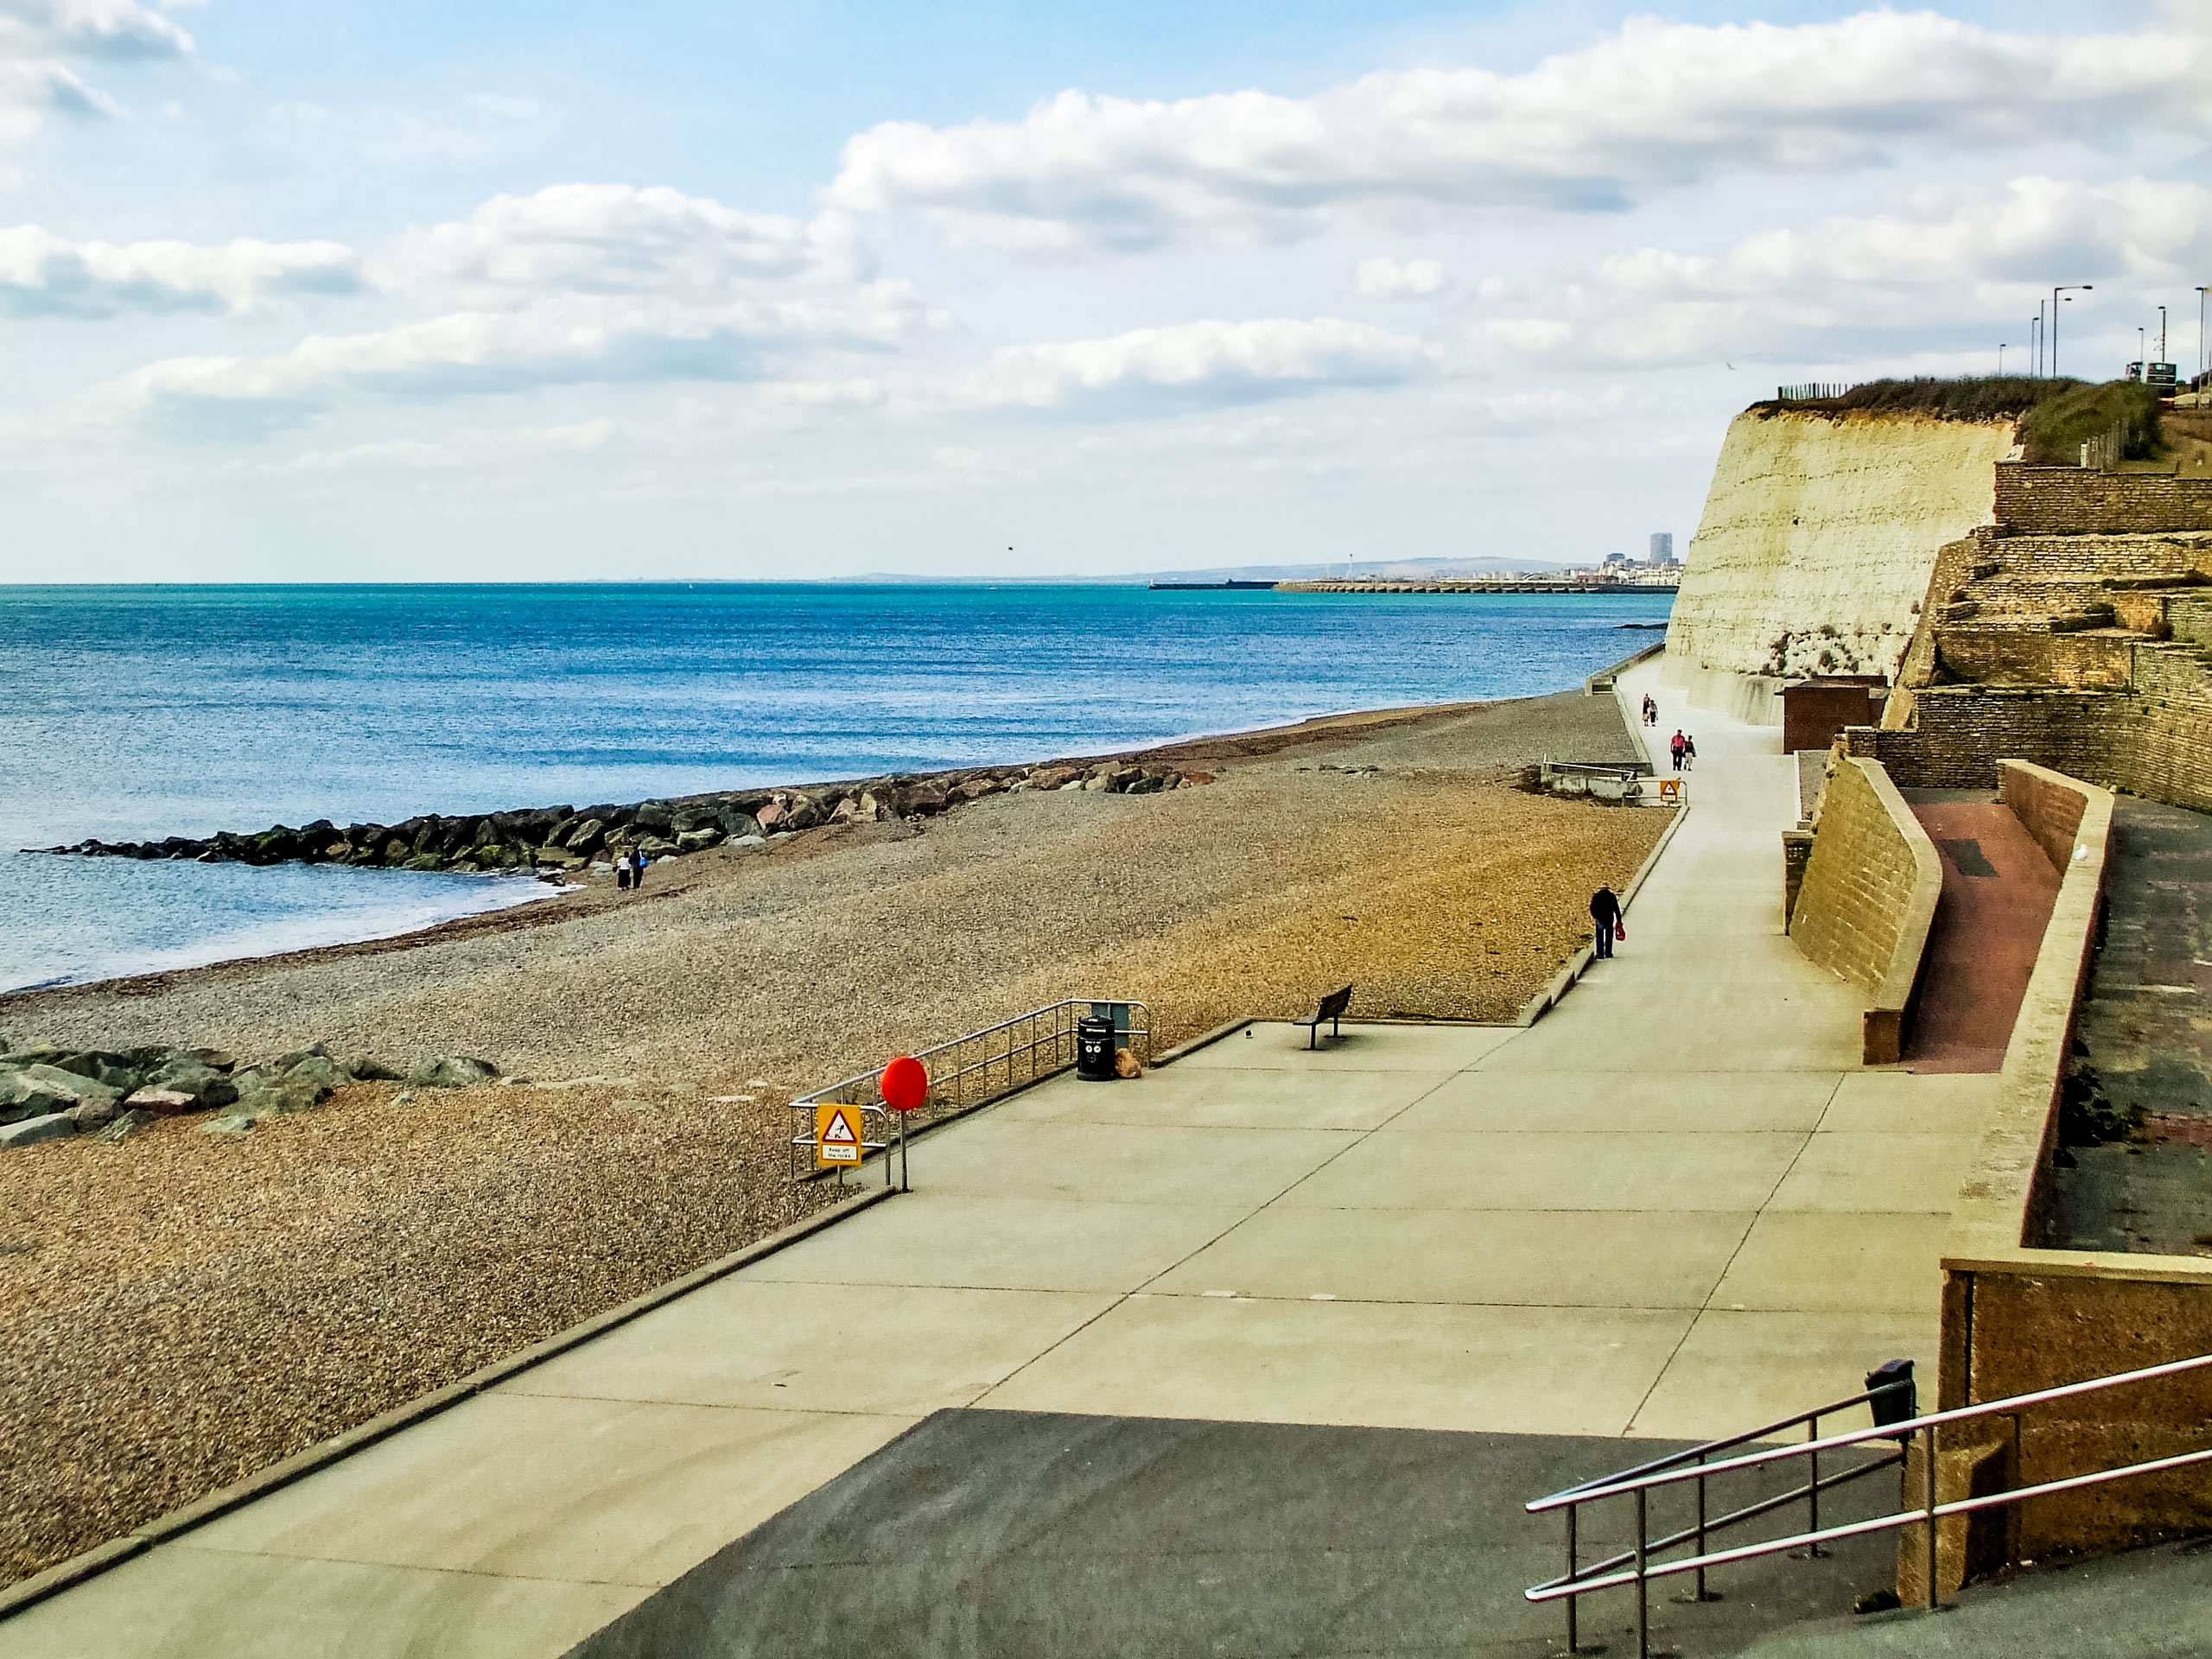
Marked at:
<point>1331,1011</point>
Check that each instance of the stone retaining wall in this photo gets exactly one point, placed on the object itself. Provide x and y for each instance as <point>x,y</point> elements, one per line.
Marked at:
<point>2154,740</point>
<point>1868,898</point>
<point>2017,1319</point>
<point>2080,500</point>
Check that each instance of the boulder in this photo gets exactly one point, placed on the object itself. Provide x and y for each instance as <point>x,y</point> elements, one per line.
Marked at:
<point>801,814</point>
<point>30,1054</point>
<point>455,1072</point>
<point>189,1075</point>
<point>736,821</point>
<point>585,838</point>
<point>1049,777</point>
<point>54,1126</point>
<point>67,1087</point>
<point>111,1070</point>
<point>923,800</point>
<point>772,815</point>
<point>22,1097</point>
<point>654,847</point>
<point>425,861</point>
<point>366,1068</point>
<point>749,842</point>
<point>93,1115</point>
<point>655,815</point>
<point>1148,783</point>
<point>318,1072</point>
<point>160,1102</point>
<point>126,1125</point>
<point>697,841</point>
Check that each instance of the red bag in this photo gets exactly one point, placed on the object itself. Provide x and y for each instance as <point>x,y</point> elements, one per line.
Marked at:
<point>1620,930</point>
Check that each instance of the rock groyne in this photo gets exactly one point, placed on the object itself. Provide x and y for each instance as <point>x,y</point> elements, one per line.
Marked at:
<point>554,841</point>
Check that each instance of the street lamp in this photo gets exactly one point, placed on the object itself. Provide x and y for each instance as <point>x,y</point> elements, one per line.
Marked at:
<point>2067,287</point>
<point>2200,293</point>
<point>2162,333</point>
<point>2000,359</point>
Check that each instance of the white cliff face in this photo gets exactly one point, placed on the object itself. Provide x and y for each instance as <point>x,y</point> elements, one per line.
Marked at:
<point>1818,539</point>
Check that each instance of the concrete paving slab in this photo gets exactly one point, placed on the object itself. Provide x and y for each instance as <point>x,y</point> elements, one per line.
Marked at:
<point>1493,1102</point>
<point>1257,1097</point>
<point>1282,1046</point>
<point>1528,1369</point>
<point>1685,1022</point>
<point>1113,1162</point>
<point>921,1238</point>
<point>1736,1370</point>
<point>1577,1171</point>
<point>983,1535</point>
<point>610,1491</point>
<point>899,1350</point>
<point>1558,1258</point>
<point>182,1603</point>
<point>1848,1170</point>
<point>1823,1262</point>
<point>1894,1100</point>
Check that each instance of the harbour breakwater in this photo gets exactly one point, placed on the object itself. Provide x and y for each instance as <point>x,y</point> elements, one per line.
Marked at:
<point>557,840</point>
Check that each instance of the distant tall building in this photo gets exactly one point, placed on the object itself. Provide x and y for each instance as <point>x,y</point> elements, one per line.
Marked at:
<point>1663,547</point>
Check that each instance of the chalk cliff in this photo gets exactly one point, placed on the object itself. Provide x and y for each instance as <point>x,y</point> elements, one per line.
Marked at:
<point>1813,555</point>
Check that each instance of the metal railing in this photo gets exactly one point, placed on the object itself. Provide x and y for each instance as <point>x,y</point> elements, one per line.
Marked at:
<point>1692,1465</point>
<point>979,1066</point>
<point>1813,390</point>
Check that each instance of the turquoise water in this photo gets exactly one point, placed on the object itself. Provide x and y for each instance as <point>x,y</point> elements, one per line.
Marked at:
<point>130,713</point>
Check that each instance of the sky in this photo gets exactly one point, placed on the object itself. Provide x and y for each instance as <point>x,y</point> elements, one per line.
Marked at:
<point>329,290</point>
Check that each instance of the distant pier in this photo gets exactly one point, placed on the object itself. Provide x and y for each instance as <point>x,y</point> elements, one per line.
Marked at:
<point>1364,586</point>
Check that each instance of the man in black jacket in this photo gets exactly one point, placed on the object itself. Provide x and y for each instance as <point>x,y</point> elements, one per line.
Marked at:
<point>1604,916</point>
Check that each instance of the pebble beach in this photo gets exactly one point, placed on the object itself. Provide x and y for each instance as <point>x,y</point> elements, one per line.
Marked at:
<point>182,1308</point>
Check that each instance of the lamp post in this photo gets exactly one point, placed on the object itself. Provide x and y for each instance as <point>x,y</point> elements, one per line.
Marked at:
<point>2065,288</point>
<point>2162,333</point>
<point>2000,359</point>
<point>2200,293</point>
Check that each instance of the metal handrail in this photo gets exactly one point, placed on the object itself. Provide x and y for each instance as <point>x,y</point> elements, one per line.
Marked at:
<point>1676,1469</point>
<point>1025,1055</point>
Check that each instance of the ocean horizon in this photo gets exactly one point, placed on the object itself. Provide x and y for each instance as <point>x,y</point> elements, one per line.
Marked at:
<point>133,712</point>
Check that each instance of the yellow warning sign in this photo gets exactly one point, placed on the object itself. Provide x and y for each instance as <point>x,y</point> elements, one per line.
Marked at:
<point>1670,789</point>
<point>836,1134</point>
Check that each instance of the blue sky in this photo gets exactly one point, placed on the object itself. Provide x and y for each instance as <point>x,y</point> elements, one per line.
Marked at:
<point>310,291</point>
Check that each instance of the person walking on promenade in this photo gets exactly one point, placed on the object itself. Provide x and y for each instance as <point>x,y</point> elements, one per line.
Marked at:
<point>636,869</point>
<point>1675,746</point>
<point>1605,919</point>
<point>1689,752</point>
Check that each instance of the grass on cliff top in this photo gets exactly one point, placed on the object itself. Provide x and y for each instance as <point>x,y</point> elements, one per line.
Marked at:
<point>2056,417</point>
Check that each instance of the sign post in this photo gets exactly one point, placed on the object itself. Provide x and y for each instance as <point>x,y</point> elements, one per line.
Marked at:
<point>905,1086</point>
<point>838,1136</point>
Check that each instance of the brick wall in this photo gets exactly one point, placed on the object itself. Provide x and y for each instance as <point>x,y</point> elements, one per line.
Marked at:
<point>2022,556</point>
<point>2076,501</point>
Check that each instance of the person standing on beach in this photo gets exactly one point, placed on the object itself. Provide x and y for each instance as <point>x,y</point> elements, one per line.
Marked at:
<point>1605,919</point>
<point>636,869</point>
<point>622,872</point>
<point>1675,746</point>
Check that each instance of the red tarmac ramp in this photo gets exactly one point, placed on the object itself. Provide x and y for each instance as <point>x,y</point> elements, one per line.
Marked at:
<point>1998,888</point>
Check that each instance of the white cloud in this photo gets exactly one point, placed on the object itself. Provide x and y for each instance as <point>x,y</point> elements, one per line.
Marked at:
<point>44,275</point>
<point>1650,106</point>
<point>1908,280</point>
<point>1388,279</point>
<point>40,40</point>
<point>1205,362</point>
<point>612,238</point>
<point>573,341</point>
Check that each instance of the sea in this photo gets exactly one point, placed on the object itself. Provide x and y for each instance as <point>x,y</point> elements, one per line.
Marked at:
<point>132,713</point>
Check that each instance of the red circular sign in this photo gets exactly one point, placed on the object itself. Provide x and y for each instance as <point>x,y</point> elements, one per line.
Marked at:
<point>906,1084</point>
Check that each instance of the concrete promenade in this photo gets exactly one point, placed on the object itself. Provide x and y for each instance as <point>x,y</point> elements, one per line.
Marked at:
<point>1675,1207</point>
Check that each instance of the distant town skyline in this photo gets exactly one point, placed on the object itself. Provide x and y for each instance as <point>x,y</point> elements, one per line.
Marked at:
<point>347,291</point>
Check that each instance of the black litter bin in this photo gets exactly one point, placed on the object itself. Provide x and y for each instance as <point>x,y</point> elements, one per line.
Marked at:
<point>1094,1048</point>
<point>1895,1398</point>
